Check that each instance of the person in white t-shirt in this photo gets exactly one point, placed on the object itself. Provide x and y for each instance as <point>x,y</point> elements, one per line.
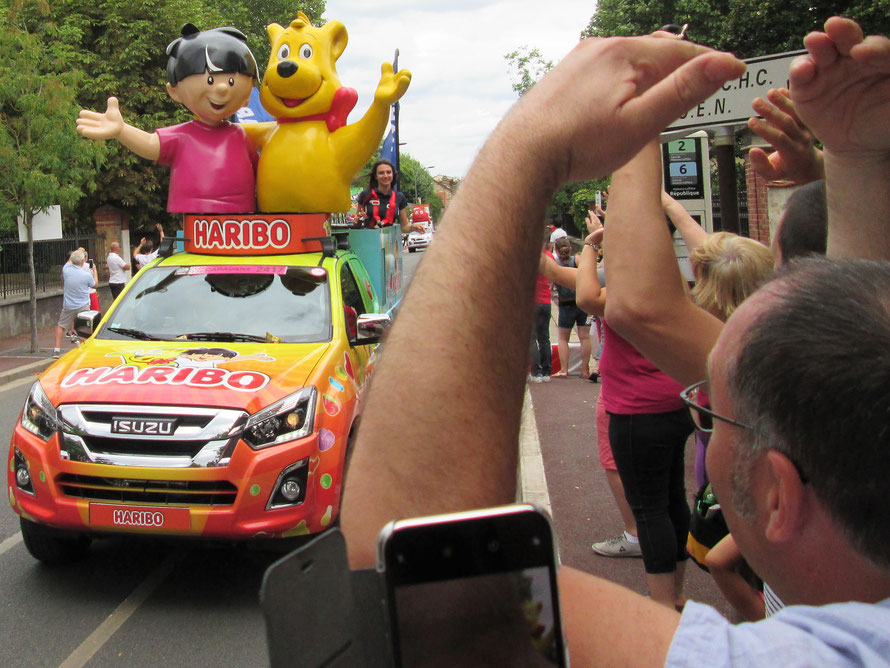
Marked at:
<point>146,254</point>
<point>116,268</point>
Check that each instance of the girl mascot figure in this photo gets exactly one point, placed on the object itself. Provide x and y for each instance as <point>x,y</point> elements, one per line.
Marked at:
<point>213,163</point>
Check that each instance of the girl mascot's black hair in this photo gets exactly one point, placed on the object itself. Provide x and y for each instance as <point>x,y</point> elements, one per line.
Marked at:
<point>214,50</point>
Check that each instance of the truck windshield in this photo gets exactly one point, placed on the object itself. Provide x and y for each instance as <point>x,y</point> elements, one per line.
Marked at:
<point>227,303</point>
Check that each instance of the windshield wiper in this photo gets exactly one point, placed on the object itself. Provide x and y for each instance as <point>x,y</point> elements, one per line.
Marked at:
<point>222,336</point>
<point>133,333</point>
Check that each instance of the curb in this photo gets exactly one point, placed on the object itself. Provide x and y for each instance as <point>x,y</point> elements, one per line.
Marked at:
<point>33,368</point>
<point>532,484</point>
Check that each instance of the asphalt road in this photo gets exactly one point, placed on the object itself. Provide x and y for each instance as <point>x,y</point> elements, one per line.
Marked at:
<point>150,603</point>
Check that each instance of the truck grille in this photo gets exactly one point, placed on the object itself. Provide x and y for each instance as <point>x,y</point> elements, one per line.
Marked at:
<point>157,447</point>
<point>182,436</point>
<point>168,492</point>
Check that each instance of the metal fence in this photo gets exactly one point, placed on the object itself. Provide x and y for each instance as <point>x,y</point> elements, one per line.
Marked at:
<point>49,256</point>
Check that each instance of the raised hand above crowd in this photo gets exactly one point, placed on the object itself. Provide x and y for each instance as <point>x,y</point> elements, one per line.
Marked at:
<point>841,91</point>
<point>841,88</point>
<point>796,157</point>
<point>637,86</point>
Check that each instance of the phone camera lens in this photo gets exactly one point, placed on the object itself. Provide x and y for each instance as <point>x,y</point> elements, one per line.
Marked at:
<point>536,541</point>
<point>493,546</point>
<point>447,551</point>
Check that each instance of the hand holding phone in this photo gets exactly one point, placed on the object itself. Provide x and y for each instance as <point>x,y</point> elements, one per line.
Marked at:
<point>473,588</point>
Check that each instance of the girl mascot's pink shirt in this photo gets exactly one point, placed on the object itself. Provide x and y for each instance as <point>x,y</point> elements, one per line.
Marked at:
<point>213,163</point>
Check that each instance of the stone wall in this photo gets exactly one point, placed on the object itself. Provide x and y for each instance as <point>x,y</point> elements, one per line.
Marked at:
<point>15,314</point>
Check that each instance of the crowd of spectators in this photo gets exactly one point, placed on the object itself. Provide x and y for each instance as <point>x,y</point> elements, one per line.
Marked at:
<point>785,373</point>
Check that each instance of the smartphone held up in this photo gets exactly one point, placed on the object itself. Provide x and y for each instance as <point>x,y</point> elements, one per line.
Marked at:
<point>473,588</point>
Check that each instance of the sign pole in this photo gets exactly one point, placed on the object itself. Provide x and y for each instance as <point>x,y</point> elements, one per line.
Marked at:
<point>724,152</point>
<point>398,175</point>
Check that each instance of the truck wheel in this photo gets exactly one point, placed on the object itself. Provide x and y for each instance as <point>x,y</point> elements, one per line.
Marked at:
<point>350,446</point>
<point>53,546</point>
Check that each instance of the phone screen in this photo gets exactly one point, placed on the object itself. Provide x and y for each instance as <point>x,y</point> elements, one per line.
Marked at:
<point>481,592</point>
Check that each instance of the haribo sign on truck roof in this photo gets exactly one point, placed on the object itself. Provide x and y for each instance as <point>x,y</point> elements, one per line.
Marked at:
<point>255,234</point>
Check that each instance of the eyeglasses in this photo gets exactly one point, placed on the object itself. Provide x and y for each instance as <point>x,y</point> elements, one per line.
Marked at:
<point>696,397</point>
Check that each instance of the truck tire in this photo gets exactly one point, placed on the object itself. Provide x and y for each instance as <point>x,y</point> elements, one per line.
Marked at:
<point>53,546</point>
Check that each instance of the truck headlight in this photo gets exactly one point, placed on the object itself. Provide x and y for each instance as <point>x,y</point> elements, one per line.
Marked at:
<point>40,417</point>
<point>286,420</point>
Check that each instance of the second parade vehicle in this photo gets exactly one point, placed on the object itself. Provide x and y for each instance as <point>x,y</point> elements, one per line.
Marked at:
<point>218,396</point>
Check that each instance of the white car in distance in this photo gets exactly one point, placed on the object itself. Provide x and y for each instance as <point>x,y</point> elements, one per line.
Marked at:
<point>420,239</point>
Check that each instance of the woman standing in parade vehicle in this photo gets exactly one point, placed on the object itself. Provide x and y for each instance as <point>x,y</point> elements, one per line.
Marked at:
<point>383,203</point>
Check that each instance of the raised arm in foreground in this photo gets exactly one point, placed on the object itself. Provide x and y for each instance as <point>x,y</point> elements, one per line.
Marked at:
<point>647,303</point>
<point>841,90</point>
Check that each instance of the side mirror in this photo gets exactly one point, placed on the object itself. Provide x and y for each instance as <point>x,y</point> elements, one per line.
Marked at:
<point>86,322</point>
<point>371,327</point>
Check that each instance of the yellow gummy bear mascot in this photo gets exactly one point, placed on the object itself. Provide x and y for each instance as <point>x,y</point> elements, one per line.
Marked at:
<point>309,156</point>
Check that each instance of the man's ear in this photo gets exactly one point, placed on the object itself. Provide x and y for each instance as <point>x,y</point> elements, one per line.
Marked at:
<point>171,91</point>
<point>785,503</point>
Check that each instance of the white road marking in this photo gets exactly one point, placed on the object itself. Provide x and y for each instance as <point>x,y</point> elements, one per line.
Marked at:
<point>94,642</point>
<point>10,542</point>
<point>27,380</point>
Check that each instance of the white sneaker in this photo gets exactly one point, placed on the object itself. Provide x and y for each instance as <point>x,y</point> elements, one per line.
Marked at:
<point>57,353</point>
<point>545,379</point>
<point>618,546</point>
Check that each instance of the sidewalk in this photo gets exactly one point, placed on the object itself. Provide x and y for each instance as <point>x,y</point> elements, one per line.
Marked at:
<point>17,360</point>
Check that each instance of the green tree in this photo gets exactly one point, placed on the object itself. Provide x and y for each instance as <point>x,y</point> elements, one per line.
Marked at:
<point>747,28</point>
<point>527,66</point>
<point>417,184</point>
<point>629,17</point>
<point>760,27</point>
<point>43,162</point>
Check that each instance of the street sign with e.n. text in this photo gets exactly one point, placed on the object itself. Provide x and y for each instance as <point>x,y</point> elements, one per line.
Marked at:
<point>731,105</point>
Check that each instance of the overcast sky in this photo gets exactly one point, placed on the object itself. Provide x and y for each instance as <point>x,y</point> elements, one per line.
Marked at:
<point>455,50</point>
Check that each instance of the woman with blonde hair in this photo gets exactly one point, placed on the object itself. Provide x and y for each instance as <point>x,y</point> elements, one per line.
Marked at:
<point>727,268</point>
